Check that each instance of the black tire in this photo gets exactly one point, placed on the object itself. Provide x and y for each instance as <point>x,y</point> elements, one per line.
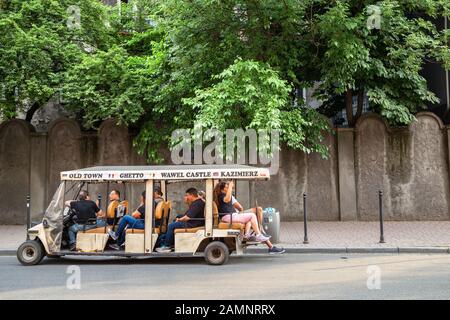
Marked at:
<point>216,253</point>
<point>30,253</point>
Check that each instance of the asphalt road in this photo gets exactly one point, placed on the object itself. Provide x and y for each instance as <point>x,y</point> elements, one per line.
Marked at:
<point>291,276</point>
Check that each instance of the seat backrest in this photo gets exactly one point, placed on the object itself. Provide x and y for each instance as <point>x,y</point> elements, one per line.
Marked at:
<point>167,207</point>
<point>111,212</point>
<point>215,215</point>
<point>159,210</point>
<point>125,205</point>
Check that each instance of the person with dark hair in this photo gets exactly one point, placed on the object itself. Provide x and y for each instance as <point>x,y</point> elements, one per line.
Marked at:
<point>157,198</point>
<point>188,220</point>
<point>202,195</point>
<point>227,203</point>
<point>135,221</point>
<point>114,194</point>
<point>85,210</point>
<point>114,200</point>
<point>157,193</point>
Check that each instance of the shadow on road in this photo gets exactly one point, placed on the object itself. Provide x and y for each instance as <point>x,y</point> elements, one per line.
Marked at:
<point>197,260</point>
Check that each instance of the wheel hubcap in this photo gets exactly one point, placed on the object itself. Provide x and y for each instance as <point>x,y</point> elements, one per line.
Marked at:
<point>28,253</point>
<point>216,253</point>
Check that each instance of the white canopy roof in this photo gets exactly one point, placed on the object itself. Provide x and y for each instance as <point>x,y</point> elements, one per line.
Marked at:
<point>172,172</point>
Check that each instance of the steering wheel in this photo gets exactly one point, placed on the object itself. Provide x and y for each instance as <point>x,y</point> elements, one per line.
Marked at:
<point>69,217</point>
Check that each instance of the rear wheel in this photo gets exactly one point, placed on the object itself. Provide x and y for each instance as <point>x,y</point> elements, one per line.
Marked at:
<point>30,253</point>
<point>216,253</point>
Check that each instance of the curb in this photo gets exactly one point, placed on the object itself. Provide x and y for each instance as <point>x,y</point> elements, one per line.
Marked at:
<point>424,250</point>
<point>7,252</point>
<point>391,250</point>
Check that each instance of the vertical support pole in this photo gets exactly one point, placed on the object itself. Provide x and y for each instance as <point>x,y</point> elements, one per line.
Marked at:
<point>148,232</point>
<point>28,216</point>
<point>380,203</point>
<point>99,199</point>
<point>164,189</point>
<point>305,220</point>
<point>209,208</point>
<point>251,189</point>
<point>107,200</point>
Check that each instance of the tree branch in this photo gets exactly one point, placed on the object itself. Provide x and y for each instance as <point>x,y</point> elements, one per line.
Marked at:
<point>32,111</point>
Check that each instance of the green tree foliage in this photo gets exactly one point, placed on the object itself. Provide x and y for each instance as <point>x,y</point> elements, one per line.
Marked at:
<point>234,63</point>
<point>123,81</point>
<point>38,44</point>
<point>250,94</point>
<point>383,62</point>
<point>333,44</point>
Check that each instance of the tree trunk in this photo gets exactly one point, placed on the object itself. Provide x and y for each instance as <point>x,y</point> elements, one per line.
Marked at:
<point>349,106</point>
<point>360,104</point>
<point>32,111</point>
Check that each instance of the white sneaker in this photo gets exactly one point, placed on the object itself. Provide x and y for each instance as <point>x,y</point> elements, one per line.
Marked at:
<point>261,238</point>
<point>163,249</point>
<point>113,235</point>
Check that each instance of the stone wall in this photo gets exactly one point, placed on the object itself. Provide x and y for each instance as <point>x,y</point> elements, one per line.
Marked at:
<point>14,170</point>
<point>410,164</point>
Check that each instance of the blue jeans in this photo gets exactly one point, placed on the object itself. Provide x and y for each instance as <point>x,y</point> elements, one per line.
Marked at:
<point>131,223</point>
<point>73,230</point>
<point>169,238</point>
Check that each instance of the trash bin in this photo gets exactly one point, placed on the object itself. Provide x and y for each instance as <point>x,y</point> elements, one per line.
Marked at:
<point>271,224</point>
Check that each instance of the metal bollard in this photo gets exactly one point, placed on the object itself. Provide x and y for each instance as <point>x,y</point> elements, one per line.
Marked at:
<point>305,222</point>
<point>28,215</point>
<point>380,203</point>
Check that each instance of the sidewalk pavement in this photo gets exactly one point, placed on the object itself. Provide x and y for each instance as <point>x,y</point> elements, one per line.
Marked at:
<point>326,237</point>
<point>356,236</point>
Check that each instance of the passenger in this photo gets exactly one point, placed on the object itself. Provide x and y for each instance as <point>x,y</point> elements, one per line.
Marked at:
<point>196,211</point>
<point>114,200</point>
<point>135,221</point>
<point>202,195</point>
<point>227,203</point>
<point>157,196</point>
<point>85,209</point>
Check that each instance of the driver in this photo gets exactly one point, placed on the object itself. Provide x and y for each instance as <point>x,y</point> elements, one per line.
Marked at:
<point>85,209</point>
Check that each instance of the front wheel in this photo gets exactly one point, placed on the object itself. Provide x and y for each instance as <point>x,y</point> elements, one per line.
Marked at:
<point>30,253</point>
<point>216,253</point>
